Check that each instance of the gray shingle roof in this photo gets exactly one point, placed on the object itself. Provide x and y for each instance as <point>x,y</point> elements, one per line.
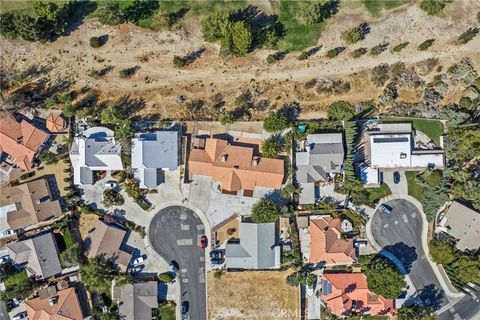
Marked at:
<point>137,300</point>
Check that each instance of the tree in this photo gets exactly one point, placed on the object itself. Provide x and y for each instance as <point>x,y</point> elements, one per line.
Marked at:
<point>95,42</point>
<point>6,270</point>
<point>467,268</point>
<point>48,157</point>
<point>462,144</point>
<point>433,7</point>
<point>275,122</point>
<point>71,256</point>
<point>340,110</point>
<point>97,277</point>
<point>140,9</point>
<point>179,62</point>
<point>112,198</point>
<point>265,210</point>
<point>124,130</point>
<point>415,312</point>
<point>352,35</point>
<point>214,26</point>
<point>271,148</point>
<point>227,118</point>
<point>123,279</point>
<point>317,11</point>
<point>302,276</point>
<point>383,278</point>
<point>18,286</point>
<point>441,251</point>
<point>8,27</point>
<point>241,36</point>
<point>68,110</point>
<point>109,13</point>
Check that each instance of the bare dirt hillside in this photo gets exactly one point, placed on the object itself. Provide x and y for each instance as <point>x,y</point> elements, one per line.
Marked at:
<point>161,84</point>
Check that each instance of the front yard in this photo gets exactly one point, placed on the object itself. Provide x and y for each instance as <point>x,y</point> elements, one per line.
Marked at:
<point>252,295</point>
<point>414,189</point>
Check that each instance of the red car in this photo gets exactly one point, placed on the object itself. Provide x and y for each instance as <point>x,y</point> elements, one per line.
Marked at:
<point>203,242</point>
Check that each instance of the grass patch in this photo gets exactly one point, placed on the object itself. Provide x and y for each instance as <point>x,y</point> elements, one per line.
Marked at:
<point>414,189</point>
<point>375,7</point>
<point>297,35</point>
<point>356,219</point>
<point>432,128</point>
<point>67,238</point>
<point>166,311</point>
<point>22,6</point>
<point>375,194</point>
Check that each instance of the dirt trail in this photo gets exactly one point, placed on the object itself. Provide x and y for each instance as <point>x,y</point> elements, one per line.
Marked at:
<point>160,83</point>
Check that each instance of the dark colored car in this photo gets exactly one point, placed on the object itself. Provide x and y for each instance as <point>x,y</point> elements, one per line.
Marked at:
<point>174,267</point>
<point>216,254</point>
<point>203,242</point>
<point>184,307</point>
<point>396,177</point>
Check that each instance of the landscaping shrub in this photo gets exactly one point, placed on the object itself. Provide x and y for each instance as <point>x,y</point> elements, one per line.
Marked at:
<point>165,277</point>
<point>112,198</point>
<point>426,44</point>
<point>400,47</point>
<point>275,122</point>
<point>433,7</point>
<point>468,35</point>
<point>352,35</point>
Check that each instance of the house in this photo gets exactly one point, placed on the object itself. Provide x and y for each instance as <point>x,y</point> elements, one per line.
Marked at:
<point>391,146</point>
<point>137,301</point>
<point>256,247</point>
<point>104,242</point>
<point>347,293</point>
<point>92,150</point>
<point>326,244</point>
<point>30,203</point>
<point>52,305</point>
<point>39,253</point>
<point>20,143</point>
<point>320,159</point>
<point>152,153</point>
<point>463,224</point>
<point>55,123</point>
<point>234,167</point>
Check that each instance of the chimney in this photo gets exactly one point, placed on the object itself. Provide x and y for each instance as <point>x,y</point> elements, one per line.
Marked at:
<point>19,139</point>
<point>224,157</point>
<point>255,162</point>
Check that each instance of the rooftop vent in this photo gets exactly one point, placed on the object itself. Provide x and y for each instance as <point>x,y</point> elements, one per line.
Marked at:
<point>52,301</point>
<point>224,157</point>
<point>255,161</point>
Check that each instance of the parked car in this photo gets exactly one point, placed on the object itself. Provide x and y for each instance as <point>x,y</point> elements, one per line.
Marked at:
<point>111,184</point>
<point>396,177</point>
<point>174,267</point>
<point>138,261</point>
<point>385,209</point>
<point>5,259</point>
<point>7,232</point>
<point>203,242</point>
<point>184,307</point>
<point>20,316</point>
<point>216,254</point>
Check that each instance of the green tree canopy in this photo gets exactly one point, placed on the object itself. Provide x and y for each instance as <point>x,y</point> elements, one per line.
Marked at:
<point>433,7</point>
<point>241,36</point>
<point>467,268</point>
<point>383,278</point>
<point>214,26</point>
<point>462,144</point>
<point>416,312</point>
<point>275,122</point>
<point>271,148</point>
<point>340,110</point>
<point>352,35</point>
<point>97,277</point>
<point>109,13</point>
<point>18,286</point>
<point>70,256</point>
<point>227,118</point>
<point>317,11</point>
<point>265,210</point>
<point>441,251</point>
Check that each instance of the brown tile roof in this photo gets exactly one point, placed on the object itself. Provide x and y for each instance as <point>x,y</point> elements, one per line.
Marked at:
<point>55,123</point>
<point>235,167</point>
<point>20,140</point>
<point>67,307</point>
<point>326,245</point>
<point>34,204</point>
<point>104,241</point>
<point>347,288</point>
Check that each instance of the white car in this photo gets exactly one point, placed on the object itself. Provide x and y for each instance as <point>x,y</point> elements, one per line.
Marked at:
<point>20,316</point>
<point>7,233</point>
<point>111,184</point>
<point>5,259</point>
<point>138,261</point>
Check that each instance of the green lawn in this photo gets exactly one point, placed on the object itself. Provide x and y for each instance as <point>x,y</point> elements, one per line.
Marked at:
<point>67,237</point>
<point>375,7</point>
<point>375,194</point>
<point>167,311</point>
<point>22,6</point>
<point>414,189</point>
<point>432,128</point>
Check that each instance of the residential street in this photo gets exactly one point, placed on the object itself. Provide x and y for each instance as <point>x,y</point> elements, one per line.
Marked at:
<point>400,233</point>
<point>467,308</point>
<point>174,233</point>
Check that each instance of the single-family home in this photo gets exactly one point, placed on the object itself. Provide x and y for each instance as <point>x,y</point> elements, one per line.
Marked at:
<point>256,248</point>
<point>326,244</point>
<point>320,158</point>
<point>153,153</point>
<point>52,305</point>
<point>20,142</point>
<point>29,203</point>
<point>345,294</point>
<point>94,149</point>
<point>137,301</point>
<point>462,224</point>
<point>235,167</point>
<point>39,253</point>
<point>391,146</point>
<point>104,241</point>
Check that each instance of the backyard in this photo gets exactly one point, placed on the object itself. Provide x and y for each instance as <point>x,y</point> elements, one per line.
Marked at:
<point>432,128</point>
<point>251,295</point>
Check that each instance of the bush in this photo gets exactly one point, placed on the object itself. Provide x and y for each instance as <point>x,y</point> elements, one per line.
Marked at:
<point>340,110</point>
<point>468,35</point>
<point>112,198</point>
<point>165,277</point>
<point>48,157</point>
<point>332,53</point>
<point>375,51</point>
<point>352,35</point>
<point>426,44</point>
<point>95,42</point>
<point>433,7</point>
<point>400,47</point>
<point>271,58</point>
<point>227,118</point>
<point>179,62</point>
<point>359,52</point>
<point>304,55</point>
<point>265,210</point>
<point>110,13</point>
<point>275,122</point>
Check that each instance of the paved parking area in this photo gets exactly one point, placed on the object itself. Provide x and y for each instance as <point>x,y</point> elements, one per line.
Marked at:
<point>400,188</point>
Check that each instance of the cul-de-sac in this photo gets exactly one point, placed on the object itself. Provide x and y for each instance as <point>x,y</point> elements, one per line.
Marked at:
<point>239,159</point>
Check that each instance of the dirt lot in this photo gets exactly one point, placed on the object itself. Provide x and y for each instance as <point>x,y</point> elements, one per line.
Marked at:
<point>252,295</point>
<point>86,223</point>
<point>161,84</point>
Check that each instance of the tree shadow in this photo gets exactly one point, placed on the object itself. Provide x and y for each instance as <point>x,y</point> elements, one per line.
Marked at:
<point>404,253</point>
<point>77,12</point>
<point>103,39</point>
<point>430,296</point>
<point>364,30</point>
<point>194,55</point>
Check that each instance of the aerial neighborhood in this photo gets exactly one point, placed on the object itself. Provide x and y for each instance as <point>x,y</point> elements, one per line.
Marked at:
<point>263,160</point>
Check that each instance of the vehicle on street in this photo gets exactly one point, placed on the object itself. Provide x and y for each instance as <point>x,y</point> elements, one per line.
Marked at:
<point>185,307</point>
<point>20,316</point>
<point>138,261</point>
<point>174,267</point>
<point>111,184</point>
<point>396,177</point>
<point>7,232</point>
<point>203,242</point>
<point>385,209</point>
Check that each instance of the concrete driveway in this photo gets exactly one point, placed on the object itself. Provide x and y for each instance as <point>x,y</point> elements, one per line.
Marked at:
<point>400,235</point>
<point>400,188</point>
<point>174,234</point>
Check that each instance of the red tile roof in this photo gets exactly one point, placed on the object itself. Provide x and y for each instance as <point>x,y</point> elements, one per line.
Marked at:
<point>67,307</point>
<point>55,123</point>
<point>349,292</point>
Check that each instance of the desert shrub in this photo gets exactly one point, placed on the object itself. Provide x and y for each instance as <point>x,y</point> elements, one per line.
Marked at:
<point>227,118</point>
<point>304,55</point>
<point>400,47</point>
<point>271,58</point>
<point>467,35</point>
<point>379,48</point>
<point>95,42</point>
<point>380,74</point>
<point>332,53</point>
<point>352,35</point>
<point>359,52</point>
<point>179,62</point>
<point>426,44</point>
<point>433,7</point>
<point>127,72</point>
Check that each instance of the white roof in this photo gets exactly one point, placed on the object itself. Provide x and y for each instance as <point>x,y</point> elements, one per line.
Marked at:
<point>428,160</point>
<point>368,176</point>
<point>307,195</point>
<point>325,138</point>
<point>3,216</point>
<point>390,150</point>
<point>463,224</point>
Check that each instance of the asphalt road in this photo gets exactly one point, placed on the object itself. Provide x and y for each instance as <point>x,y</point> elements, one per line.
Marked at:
<point>400,233</point>
<point>467,308</point>
<point>174,234</point>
